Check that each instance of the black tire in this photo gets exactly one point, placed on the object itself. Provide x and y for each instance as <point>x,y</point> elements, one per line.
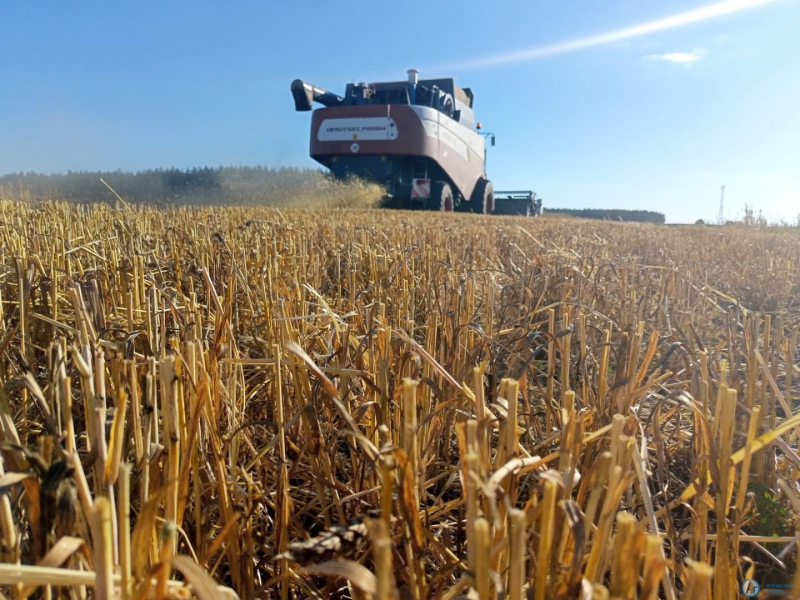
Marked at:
<point>442,197</point>
<point>483,197</point>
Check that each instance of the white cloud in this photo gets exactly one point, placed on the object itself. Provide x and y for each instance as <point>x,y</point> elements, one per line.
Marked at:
<point>712,11</point>
<point>684,58</point>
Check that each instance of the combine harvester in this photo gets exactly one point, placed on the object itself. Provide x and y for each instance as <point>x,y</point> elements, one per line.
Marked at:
<point>418,138</point>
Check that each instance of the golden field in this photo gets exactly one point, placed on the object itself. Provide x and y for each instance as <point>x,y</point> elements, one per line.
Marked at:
<point>267,403</point>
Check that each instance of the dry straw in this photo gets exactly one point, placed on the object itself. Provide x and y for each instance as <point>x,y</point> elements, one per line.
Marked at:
<point>269,403</point>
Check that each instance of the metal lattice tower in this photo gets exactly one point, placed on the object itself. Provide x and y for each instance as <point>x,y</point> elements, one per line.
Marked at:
<point>721,217</point>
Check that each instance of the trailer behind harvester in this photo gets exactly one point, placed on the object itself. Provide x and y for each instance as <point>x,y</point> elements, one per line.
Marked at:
<point>517,203</point>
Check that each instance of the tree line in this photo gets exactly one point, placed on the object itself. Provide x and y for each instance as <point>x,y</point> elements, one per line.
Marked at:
<point>638,216</point>
<point>204,185</point>
<point>247,186</point>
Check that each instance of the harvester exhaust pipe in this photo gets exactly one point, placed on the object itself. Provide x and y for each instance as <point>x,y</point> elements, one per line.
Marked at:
<point>305,94</point>
<point>413,79</point>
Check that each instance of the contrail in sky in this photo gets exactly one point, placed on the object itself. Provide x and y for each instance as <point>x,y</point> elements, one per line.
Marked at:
<point>685,18</point>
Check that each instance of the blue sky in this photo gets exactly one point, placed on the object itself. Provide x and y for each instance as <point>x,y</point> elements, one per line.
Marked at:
<point>656,121</point>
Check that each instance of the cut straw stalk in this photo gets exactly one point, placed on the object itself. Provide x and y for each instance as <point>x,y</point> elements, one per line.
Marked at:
<point>744,479</point>
<point>551,370</point>
<point>597,554</point>
<point>56,577</point>
<point>283,500</point>
<point>724,575</point>
<point>124,522</point>
<point>516,550</point>
<point>483,582</point>
<point>7,521</point>
<point>382,553</point>
<point>103,541</point>
<point>625,560</point>
<point>699,583</point>
<point>471,477</point>
<point>546,528</point>
<point>410,443</point>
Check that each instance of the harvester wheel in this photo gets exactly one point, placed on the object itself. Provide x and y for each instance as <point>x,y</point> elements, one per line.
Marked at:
<point>483,197</point>
<point>442,197</point>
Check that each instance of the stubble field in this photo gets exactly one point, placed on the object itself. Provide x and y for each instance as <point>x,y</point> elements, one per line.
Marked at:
<point>376,404</point>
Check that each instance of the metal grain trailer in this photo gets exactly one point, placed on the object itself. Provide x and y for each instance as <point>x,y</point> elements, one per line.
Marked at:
<point>517,203</point>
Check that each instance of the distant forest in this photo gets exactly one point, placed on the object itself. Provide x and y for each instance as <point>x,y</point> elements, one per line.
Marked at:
<point>245,186</point>
<point>206,185</point>
<point>639,216</point>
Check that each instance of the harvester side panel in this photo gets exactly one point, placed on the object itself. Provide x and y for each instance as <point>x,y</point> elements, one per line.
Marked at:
<point>460,150</point>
